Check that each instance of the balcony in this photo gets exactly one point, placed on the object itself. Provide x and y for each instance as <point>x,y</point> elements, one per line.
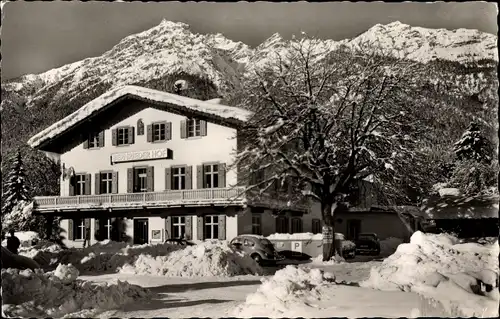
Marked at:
<point>232,196</point>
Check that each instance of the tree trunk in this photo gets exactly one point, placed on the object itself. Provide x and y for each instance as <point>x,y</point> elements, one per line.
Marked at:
<point>327,211</point>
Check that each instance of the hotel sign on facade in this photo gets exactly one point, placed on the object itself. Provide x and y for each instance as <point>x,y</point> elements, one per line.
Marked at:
<point>163,153</point>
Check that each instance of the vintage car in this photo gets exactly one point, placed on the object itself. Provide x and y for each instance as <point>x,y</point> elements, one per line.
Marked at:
<point>258,247</point>
<point>368,243</point>
<point>347,247</point>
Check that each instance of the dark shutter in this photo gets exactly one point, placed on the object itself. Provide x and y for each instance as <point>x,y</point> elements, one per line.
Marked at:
<point>101,139</point>
<point>203,128</point>
<point>114,183</point>
<point>200,227</point>
<point>86,144</point>
<point>168,227</point>
<point>150,178</point>
<point>199,177</point>
<point>130,180</point>
<point>222,227</point>
<point>97,183</point>
<point>189,228</point>
<point>222,175</point>
<point>183,129</point>
<point>114,137</point>
<point>150,133</point>
<point>168,178</point>
<point>168,131</point>
<point>70,229</point>
<point>87,184</point>
<point>140,127</point>
<point>189,177</point>
<point>97,231</point>
<point>71,187</point>
<point>131,135</point>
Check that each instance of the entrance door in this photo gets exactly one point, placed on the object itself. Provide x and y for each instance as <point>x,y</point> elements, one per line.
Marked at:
<point>141,231</point>
<point>353,228</point>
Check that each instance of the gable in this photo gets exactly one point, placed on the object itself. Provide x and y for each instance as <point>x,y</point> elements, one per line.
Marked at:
<point>118,104</point>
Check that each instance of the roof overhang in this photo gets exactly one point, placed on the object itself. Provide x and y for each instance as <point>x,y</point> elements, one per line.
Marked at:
<point>88,115</point>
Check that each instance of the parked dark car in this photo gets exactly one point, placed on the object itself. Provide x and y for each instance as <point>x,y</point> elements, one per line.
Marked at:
<point>367,243</point>
<point>179,241</point>
<point>257,247</point>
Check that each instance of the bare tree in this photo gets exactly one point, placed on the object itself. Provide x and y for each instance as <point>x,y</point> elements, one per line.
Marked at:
<point>325,119</point>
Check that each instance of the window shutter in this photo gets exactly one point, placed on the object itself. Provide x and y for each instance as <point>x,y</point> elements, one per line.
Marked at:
<point>131,135</point>
<point>200,228</point>
<point>114,183</point>
<point>140,127</point>
<point>189,177</point>
<point>150,178</point>
<point>222,227</point>
<point>70,229</point>
<point>203,128</point>
<point>222,175</point>
<point>189,228</point>
<point>97,231</point>
<point>168,131</point>
<point>97,183</point>
<point>86,144</point>
<point>183,129</point>
<point>101,139</point>
<point>168,178</point>
<point>168,227</point>
<point>114,137</point>
<point>150,133</point>
<point>71,187</point>
<point>87,184</point>
<point>130,180</point>
<point>199,177</point>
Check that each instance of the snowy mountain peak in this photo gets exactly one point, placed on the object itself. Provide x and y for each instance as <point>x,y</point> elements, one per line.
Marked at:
<point>173,25</point>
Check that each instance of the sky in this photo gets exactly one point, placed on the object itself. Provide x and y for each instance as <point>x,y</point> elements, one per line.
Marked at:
<point>39,36</point>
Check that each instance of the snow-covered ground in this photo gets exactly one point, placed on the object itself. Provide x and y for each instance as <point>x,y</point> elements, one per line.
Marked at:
<point>462,278</point>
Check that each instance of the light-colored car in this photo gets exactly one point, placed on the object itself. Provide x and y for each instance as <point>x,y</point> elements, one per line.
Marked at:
<point>258,247</point>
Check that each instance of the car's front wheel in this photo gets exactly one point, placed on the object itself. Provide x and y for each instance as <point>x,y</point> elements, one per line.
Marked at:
<point>257,258</point>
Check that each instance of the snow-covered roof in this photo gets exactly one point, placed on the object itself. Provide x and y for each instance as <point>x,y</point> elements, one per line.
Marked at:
<point>461,207</point>
<point>210,108</point>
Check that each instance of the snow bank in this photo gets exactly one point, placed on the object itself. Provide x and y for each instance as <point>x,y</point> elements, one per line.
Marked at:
<point>440,266</point>
<point>291,290</point>
<point>333,261</point>
<point>27,238</point>
<point>212,258</point>
<point>37,294</point>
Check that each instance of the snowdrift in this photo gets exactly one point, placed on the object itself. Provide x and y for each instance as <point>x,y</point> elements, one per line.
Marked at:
<point>442,268</point>
<point>58,293</point>
<point>205,259</point>
<point>27,238</point>
<point>291,290</point>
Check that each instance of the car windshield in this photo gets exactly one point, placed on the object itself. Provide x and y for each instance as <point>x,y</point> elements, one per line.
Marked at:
<point>265,242</point>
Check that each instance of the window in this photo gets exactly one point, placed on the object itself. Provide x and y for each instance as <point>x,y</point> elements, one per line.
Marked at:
<point>106,183</point>
<point>256,224</point>
<point>105,226</point>
<point>316,226</point>
<point>282,225</point>
<point>178,227</point>
<point>140,180</point>
<point>193,127</point>
<point>96,140</point>
<point>179,178</point>
<point>211,176</point>
<point>122,135</point>
<point>211,227</point>
<point>78,229</point>
<point>80,184</point>
<point>296,225</point>
<point>159,132</point>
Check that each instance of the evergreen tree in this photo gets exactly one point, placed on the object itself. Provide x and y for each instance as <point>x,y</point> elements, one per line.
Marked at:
<point>15,188</point>
<point>473,146</point>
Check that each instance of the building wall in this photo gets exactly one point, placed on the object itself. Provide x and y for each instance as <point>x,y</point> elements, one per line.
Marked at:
<point>217,146</point>
<point>383,224</point>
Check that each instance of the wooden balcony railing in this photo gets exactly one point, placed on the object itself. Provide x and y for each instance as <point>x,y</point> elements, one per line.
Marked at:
<point>191,197</point>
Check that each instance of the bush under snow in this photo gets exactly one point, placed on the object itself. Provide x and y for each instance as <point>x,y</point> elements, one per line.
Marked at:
<point>37,294</point>
<point>286,293</point>
<point>462,276</point>
<point>205,259</point>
